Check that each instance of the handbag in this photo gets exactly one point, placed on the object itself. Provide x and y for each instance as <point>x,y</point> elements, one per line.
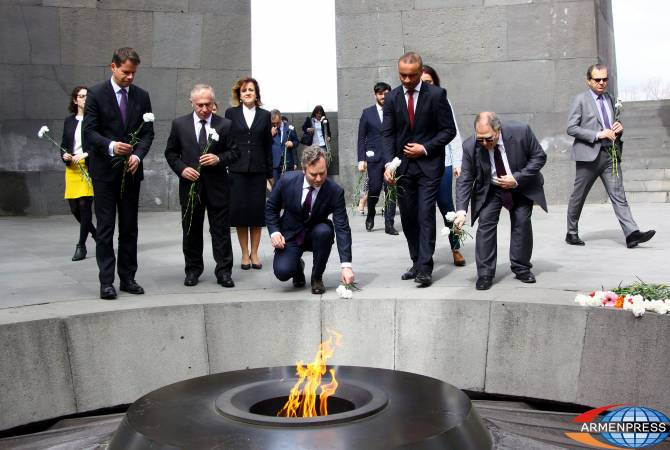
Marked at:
<point>307,138</point>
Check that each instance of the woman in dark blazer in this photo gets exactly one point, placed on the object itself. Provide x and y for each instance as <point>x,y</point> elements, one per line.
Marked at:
<point>316,128</point>
<point>251,127</point>
<point>78,188</point>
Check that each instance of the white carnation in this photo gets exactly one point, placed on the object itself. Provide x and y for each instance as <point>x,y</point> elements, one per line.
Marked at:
<point>291,127</point>
<point>369,153</point>
<point>343,292</point>
<point>44,129</point>
<point>148,117</point>
<point>213,134</point>
<point>393,165</point>
<point>450,216</point>
<point>582,299</point>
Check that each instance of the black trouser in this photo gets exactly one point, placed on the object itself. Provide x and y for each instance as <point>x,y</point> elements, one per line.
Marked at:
<point>192,241</point>
<point>109,201</point>
<point>521,234</point>
<point>82,210</point>
<point>318,240</point>
<point>417,195</point>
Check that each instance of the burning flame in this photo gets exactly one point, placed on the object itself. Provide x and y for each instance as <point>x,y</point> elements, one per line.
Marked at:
<point>302,399</point>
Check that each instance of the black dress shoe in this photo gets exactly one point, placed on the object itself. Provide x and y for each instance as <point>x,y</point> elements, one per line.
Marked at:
<point>190,280</point>
<point>299,278</point>
<point>131,287</point>
<point>79,253</point>
<point>245,266</point>
<point>573,239</point>
<point>390,229</point>
<point>107,292</point>
<point>226,281</point>
<point>409,275</point>
<point>424,279</point>
<point>317,286</point>
<point>484,283</point>
<point>526,277</point>
<point>369,224</point>
<point>638,237</point>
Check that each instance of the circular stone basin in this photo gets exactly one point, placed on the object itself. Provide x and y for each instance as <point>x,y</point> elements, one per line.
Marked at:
<point>373,409</point>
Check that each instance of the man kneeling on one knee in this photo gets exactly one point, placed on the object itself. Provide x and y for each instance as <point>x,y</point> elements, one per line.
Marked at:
<point>308,198</point>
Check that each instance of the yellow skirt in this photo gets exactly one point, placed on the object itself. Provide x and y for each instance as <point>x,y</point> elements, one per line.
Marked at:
<point>76,184</point>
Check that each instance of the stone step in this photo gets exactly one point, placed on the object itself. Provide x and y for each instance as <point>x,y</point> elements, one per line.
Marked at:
<point>646,114</point>
<point>647,197</point>
<point>647,174</point>
<point>631,161</point>
<point>646,185</point>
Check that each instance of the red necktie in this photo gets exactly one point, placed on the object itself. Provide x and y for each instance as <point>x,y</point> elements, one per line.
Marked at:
<point>410,107</point>
<point>505,194</point>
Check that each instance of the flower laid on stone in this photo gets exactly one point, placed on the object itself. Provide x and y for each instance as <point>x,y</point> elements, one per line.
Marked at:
<point>392,191</point>
<point>347,290</point>
<point>44,133</point>
<point>631,298</point>
<point>134,139</point>
<point>461,233</point>
<point>212,136</point>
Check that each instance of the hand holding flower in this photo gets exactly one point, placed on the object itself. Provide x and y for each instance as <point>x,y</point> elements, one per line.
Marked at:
<point>347,276</point>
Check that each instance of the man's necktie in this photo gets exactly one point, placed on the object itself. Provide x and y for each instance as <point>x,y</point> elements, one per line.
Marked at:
<point>505,194</point>
<point>410,107</point>
<point>202,136</point>
<point>603,110</point>
<point>123,106</point>
<point>306,210</point>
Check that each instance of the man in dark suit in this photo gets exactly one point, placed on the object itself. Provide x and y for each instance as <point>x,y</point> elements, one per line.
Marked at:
<point>593,124</point>
<point>188,139</point>
<point>501,168</point>
<point>308,198</point>
<point>114,110</point>
<point>371,158</point>
<point>284,145</point>
<point>417,125</point>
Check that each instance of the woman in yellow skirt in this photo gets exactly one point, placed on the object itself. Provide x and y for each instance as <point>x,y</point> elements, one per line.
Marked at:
<point>78,187</point>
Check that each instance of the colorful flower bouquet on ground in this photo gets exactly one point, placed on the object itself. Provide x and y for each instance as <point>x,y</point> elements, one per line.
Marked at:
<point>637,298</point>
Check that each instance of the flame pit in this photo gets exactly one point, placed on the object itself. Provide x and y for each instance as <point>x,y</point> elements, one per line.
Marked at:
<point>373,409</point>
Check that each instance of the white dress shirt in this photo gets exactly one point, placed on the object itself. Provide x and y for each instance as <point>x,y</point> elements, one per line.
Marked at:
<point>608,110</point>
<point>501,146</point>
<point>417,88</point>
<point>198,125</point>
<point>380,111</point>
<point>249,114</point>
<point>77,137</point>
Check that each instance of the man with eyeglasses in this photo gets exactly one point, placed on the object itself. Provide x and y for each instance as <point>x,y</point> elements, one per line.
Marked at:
<point>591,122</point>
<point>207,173</point>
<point>501,168</point>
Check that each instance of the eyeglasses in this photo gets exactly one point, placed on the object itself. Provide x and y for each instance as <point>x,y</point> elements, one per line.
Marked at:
<point>598,80</point>
<point>81,95</point>
<point>488,140</point>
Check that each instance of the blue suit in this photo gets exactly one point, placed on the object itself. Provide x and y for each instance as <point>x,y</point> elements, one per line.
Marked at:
<point>280,166</point>
<point>370,149</point>
<point>319,231</point>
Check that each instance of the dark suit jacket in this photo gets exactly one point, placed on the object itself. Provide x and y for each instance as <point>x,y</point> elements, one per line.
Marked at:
<point>370,136</point>
<point>103,124</point>
<point>434,128</point>
<point>278,147</point>
<point>308,124</point>
<point>287,195</point>
<point>67,142</point>
<point>183,151</point>
<point>525,156</point>
<point>255,143</point>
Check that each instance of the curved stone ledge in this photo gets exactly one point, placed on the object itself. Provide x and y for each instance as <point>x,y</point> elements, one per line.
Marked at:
<point>104,354</point>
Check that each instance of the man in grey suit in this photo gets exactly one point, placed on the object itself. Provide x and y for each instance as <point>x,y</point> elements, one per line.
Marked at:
<point>591,122</point>
<point>501,168</point>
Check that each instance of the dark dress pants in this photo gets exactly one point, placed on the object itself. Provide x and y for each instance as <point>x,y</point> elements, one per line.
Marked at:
<point>109,201</point>
<point>417,195</point>
<point>318,240</point>
<point>375,184</point>
<point>192,240</point>
<point>521,236</point>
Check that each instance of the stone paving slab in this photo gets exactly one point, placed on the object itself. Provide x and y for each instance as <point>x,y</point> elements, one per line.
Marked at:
<point>35,266</point>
